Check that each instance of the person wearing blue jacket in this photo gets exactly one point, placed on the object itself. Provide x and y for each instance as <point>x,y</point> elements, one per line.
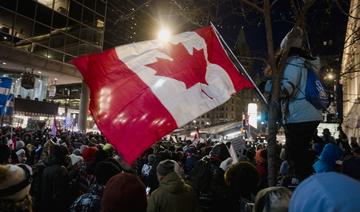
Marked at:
<point>328,191</point>
<point>300,118</point>
<point>328,157</point>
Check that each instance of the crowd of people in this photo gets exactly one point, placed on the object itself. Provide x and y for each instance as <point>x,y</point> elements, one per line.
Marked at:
<point>78,172</point>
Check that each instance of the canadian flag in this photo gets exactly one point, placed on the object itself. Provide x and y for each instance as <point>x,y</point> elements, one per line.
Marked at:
<point>143,91</point>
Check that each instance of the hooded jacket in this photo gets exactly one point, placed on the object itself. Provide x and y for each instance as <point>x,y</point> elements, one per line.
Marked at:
<point>328,157</point>
<point>330,192</point>
<point>173,195</point>
<point>294,83</point>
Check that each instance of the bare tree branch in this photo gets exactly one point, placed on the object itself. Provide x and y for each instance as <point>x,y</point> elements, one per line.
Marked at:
<point>135,10</point>
<point>263,60</point>
<point>351,69</point>
<point>253,5</point>
<point>273,3</point>
<point>355,32</point>
<point>343,11</point>
<point>294,7</point>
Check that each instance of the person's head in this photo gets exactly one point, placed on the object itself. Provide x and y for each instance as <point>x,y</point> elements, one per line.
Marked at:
<point>351,167</point>
<point>77,152</point>
<point>356,151</point>
<point>242,179</point>
<point>89,154</point>
<point>328,191</point>
<point>151,158</point>
<point>75,159</point>
<point>59,153</point>
<point>293,39</point>
<point>328,157</point>
<point>104,171</point>
<point>326,132</point>
<point>15,182</point>
<point>272,199</point>
<point>124,192</point>
<point>261,156</point>
<point>19,144</point>
<point>219,152</point>
<point>5,153</point>
<point>109,149</point>
<point>166,167</point>
<point>21,154</point>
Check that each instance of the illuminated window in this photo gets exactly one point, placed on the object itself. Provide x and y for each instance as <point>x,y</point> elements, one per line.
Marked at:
<point>99,23</point>
<point>59,5</point>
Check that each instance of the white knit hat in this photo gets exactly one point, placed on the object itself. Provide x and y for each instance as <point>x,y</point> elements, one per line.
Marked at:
<point>294,38</point>
<point>15,181</point>
<point>75,159</point>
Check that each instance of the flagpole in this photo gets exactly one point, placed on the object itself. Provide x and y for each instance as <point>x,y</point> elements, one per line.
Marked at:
<point>240,65</point>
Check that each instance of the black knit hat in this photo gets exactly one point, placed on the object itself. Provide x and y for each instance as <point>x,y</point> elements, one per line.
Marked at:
<point>104,171</point>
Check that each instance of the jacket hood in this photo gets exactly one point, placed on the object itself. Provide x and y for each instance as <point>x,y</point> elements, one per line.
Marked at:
<point>173,183</point>
<point>328,157</point>
<point>329,192</point>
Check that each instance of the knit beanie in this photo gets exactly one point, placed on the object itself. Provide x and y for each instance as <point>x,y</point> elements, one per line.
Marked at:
<point>89,154</point>
<point>294,38</point>
<point>167,166</point>
<point>15,181</point>
<point>124,192</point>
<point>107,147</point>
<point>75,159</point>
<point>272,199</point>
<point>104,171</point>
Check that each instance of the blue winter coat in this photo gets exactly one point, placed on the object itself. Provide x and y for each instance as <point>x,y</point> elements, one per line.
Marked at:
<point>294,83</point>
<point>329,191</point>
<point>327,161</point>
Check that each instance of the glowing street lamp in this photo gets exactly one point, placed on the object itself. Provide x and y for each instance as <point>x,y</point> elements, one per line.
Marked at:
<point>330,76</point>
<point>164,35</point>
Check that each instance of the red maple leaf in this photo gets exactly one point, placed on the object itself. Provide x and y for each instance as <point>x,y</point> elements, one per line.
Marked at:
<point>190,69</point>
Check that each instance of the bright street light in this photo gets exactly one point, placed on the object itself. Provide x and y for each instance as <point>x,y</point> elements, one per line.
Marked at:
<point>164,35</point>
<point>331,76</point>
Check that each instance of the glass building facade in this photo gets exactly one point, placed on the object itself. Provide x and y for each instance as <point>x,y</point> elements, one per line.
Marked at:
<point>54,29</point>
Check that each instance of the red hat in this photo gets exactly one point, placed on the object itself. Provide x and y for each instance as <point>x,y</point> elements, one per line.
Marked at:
<point>124,192</point>
<point>89,154</point>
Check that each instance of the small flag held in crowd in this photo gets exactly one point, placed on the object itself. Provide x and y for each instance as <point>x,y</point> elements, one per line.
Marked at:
<point>9,107</point>
<point>143,91</point>
<point>5,86</point>
<point>53,128</point>
<point>68,123</point>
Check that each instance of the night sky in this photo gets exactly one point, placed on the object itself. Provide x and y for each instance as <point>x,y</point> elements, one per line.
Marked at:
<point>327,23</point>
<point>327,26</point>
<point>323,16</point>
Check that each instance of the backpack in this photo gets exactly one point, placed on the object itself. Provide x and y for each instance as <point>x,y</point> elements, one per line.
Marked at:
<point>315,91</point>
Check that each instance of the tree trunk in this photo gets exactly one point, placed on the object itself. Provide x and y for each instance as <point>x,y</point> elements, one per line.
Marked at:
<point>277,72</point>
<point>274,102</point>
